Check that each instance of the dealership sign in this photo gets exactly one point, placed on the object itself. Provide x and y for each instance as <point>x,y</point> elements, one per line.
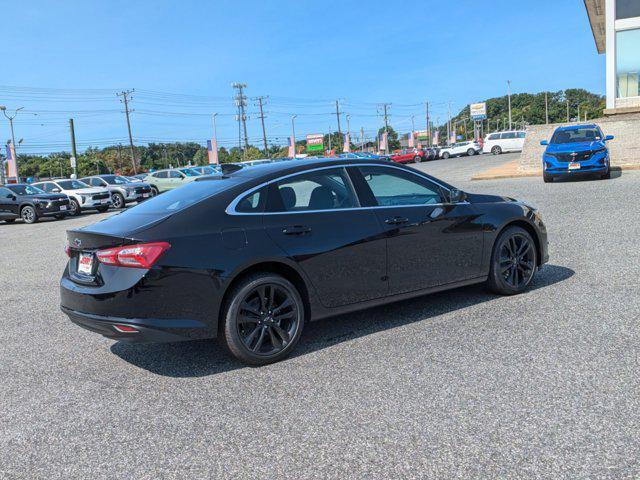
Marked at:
<point>478,111</point>
<point>315,142</point>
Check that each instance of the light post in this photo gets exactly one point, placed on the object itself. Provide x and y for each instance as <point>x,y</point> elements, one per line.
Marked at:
<point>293,134</point>
<point>509,99</point>
<point>13,137</point>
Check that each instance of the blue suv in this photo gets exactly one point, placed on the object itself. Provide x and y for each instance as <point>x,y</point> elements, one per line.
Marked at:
<point>576,150</point>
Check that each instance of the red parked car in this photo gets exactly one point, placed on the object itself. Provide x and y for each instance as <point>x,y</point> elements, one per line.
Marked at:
<point>407,156</point>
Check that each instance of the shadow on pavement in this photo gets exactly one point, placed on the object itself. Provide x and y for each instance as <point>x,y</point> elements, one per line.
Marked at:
<point>206,357</point>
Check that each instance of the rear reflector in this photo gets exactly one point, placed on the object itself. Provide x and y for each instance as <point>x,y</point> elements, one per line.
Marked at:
<point>143,255</point>
<point>125,329</point>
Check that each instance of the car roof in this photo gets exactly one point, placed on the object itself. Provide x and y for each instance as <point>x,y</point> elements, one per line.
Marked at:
<point>576,127</point>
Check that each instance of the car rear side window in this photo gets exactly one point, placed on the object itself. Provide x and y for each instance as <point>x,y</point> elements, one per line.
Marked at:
<point>253,203</point>
<point>326,189</point>
<point>394,187</point>
<point>509,135</point>
<point>494,136</point>
<point>160,174</point>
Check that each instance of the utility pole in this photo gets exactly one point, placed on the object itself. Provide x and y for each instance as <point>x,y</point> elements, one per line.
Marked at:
<point>13,137</point>
<point>385,107</point>
<point>449,126</point>
<point>362,139</point>
<point>426,107</point>
<point>241,102</point>
<point>509,99</point>
<point>348,130</point>
<point>567,110</point>
<point>338,117</point>
<point>546,108</point>
<point>126,98</point>
<point>74,153</point>
<point>578,112</point>
<point>261,99</point>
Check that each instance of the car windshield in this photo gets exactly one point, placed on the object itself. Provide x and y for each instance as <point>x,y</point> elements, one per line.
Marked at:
<point>189,173</point>
<point>115,180</point>
<point>25,189</point>
<point>72,184</point>
<point>584,134</point>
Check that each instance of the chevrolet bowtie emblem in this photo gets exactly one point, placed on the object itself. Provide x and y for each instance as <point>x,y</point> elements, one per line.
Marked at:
<point>77,242</point>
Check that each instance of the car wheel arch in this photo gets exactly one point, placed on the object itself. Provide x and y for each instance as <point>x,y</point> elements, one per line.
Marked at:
<point>278,267</point>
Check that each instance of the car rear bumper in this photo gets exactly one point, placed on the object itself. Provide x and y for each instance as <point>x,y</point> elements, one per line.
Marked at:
<point>147,330</point>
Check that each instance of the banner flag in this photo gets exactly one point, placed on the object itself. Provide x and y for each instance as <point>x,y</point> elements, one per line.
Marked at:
<point>383,141</point>
<point>12,170</point>
<point>212,152</point>
<point>292,148</point>
<point>435,138</point>
<point>411,140</point>
<point>347,143</point>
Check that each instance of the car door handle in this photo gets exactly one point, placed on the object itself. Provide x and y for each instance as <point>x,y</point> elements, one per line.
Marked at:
<point>396,220</point>
<point>296,230</point>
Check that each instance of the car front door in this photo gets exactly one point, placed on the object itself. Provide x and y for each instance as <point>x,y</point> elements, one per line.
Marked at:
<point>509,141</point>
<point>8,203</point>
<point>430,241</point>
<point>176,179</point>
<point>315,218</point>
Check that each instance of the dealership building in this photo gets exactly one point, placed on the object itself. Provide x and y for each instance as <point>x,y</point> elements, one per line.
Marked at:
<point>616,29</point>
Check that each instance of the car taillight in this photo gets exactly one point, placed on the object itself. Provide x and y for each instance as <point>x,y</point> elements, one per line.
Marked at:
<point>143,255</point>
<point>67,250</point>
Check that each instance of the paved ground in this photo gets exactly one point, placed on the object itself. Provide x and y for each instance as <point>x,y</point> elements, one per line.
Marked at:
<point>461,384</point>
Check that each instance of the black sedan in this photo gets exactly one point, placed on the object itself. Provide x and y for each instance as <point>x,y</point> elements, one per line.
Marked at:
<point>30,203</point>
<point>249,256</point>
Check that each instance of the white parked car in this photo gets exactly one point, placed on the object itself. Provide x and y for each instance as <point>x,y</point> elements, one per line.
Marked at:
<point>461,148</point>
<point>81,196</point>
<point>500,142</point>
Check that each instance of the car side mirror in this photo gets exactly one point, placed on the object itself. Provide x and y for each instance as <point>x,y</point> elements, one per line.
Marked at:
<point>55,190</point>
<point>608,137</point>
<point>457,196</point>
<point>544,143</point>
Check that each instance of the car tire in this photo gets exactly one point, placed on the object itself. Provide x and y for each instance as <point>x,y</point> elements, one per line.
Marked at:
<point>496,150</point>
<point>28,214</point>
<point>74,207</point>
<point>513,262</point>
<point>547,178</point>
<point>154,191</point>
<point>471,152</point>
<point>102,209</point>
<point>606,175</point>
<point>445,155</point>
<point>417,159</point>
<point>118,200</point>
<point>251,329</point>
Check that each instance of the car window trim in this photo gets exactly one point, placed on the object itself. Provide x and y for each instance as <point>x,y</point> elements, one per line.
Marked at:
<point>231,208</point>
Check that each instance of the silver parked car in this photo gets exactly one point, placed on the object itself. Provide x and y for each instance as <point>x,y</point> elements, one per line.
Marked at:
<point>122,189</point>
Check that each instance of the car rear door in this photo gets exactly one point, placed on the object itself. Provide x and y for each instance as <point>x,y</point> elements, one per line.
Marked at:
<point>7,203</point>
<point>509,141</point>
<point>430,241</point>
<point>314,217</point>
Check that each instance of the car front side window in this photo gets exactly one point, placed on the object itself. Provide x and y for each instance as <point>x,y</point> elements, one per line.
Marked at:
<point>394,187</point>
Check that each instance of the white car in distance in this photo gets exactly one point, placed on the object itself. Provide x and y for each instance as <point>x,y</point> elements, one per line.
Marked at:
<point>501,142</point>
<point>81,196</point>
<point>461,148</point>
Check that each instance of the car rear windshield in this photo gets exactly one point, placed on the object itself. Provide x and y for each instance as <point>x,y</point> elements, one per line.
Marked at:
<point>182,197</point>
<point>586,134</point>
<point>25,189</point>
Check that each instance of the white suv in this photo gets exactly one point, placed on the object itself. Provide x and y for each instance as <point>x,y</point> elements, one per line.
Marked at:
<point>81,196</point>
<point>500,142</point>
<point>461,148</point>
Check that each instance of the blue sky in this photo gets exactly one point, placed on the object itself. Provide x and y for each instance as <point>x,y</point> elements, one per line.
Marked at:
<point>71,57</point>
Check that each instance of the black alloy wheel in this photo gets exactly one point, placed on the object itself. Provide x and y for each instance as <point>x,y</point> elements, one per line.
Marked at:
<point>28,214</point>
<point>513,262</point>
<point>74,207</point>
<point>118,200</point>
<point>264,319</point>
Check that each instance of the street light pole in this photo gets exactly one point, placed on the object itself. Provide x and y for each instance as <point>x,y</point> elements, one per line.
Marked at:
<point>509,99</point>
<point>293,134</point>
<point>13,137</point>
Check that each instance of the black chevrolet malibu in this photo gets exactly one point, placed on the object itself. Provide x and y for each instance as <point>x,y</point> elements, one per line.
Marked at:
<point>252,254</point>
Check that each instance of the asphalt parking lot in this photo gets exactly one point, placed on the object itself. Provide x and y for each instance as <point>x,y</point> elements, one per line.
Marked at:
<point>461,384</point>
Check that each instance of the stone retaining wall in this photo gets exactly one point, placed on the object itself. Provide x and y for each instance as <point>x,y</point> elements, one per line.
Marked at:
<point>624,150</point>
